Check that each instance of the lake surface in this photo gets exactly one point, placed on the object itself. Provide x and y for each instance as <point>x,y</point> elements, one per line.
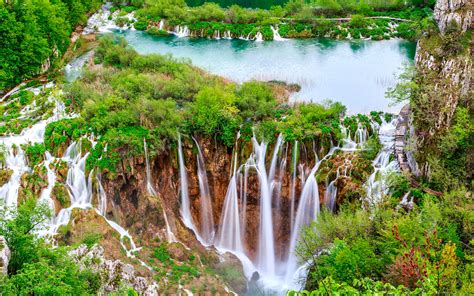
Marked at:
<point>355,73</point>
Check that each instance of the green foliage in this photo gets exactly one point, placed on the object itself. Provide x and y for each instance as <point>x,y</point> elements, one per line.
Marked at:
<point>34,267</point>
<point>371,148</point>
<point>423,250</point>
<point>161,253</point>
<point>59,133</point>
<point>35,153</point>
<point>213,113</point>
<point>365,286</point>
<point>307,18</point>
<point>31,31</point>
<point>91,239</point>
<point>311,121</point>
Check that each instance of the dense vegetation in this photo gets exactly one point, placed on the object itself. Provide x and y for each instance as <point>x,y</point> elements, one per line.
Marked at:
<point>35,34</point>
<point>34,267</point>
<point>244,3</point>
<point>419,248</point>
<point>296,19</point>
<point>427,250</point>
<point>444,141</point>
<point>128,98</point>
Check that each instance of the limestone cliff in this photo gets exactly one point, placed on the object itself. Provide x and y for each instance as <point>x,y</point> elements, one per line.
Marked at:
<point>460,11</point>
<point>444,70</point>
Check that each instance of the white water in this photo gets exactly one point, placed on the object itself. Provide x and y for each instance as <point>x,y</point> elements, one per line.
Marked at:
<point>258,37</point>
<point>330,195</point>
<point>228,237</point>
<point>276,35</point>
<point>185,207</point>
<point>227,35</point>
<point>181,31</point>
<point>376,185</point>
<point>308,209</point>
<point>266,249</point>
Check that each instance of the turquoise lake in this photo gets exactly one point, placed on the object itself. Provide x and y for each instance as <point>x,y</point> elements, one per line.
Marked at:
<point>356,73</point>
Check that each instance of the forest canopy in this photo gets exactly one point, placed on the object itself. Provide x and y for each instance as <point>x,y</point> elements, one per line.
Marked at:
<point>35,34</point>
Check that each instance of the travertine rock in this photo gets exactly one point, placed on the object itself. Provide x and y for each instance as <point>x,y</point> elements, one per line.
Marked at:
<point>113,273</point>
<point>461,11</point>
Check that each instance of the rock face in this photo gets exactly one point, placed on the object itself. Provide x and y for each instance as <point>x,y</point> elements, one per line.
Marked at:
<point>4,256</point>
<point>444,66</point>
<point>460,11</point>
<point>113,273</point>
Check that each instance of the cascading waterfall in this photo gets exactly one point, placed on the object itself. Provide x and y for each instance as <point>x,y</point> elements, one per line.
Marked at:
<point>330,195</point>
<point>207,219</point>
<point>258,37</point>
<point>45,196</point>
<point>80,190</point>
<point>308,209</point>
<point>266,249</point>
<point>375,185</point>
<point>361,134</point>
<point>161,25</point>
<point>227,35</point>
<point>15,161</point>
<point>149,186</point>
<point>185,208</point>
<point>293,184</point>
<point>76,179</point>
<point>181,31</point>
<point>276,35</point>
<point>229,234</point>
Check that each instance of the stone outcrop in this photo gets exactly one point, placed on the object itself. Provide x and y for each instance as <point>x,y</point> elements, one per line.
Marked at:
<point>460,11</point>
<point>113,273</point>
<point>4,256</point>
<point>444,66</point>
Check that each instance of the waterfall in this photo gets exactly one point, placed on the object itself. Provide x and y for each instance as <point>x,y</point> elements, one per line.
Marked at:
<point>276,35</point>
<point>266,249</point>
<point>185,203</point>
<point>258,37</point>
<point>278,181</point>
<point>227,35</point>
<point>45,196</point>
<point>361,134</point>
<point>330,195</point>
<point>149,186</point>
<point>347,143</point>
<point>17,163</point>
<point>308,209</point>
<point>228,236</point>
<point>375,185</point>
<point>161,25</point>
<point>181,31</point>
<point>293,184</point>
<point>76,179</point>
<point>243,198</point>
<point>207,219</point>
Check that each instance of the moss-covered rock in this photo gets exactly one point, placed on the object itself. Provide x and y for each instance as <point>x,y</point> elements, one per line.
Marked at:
<point>5,175</point>
<point>60,196</point>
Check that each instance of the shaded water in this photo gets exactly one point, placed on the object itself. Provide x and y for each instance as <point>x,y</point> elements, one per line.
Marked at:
<point>355,73</point>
